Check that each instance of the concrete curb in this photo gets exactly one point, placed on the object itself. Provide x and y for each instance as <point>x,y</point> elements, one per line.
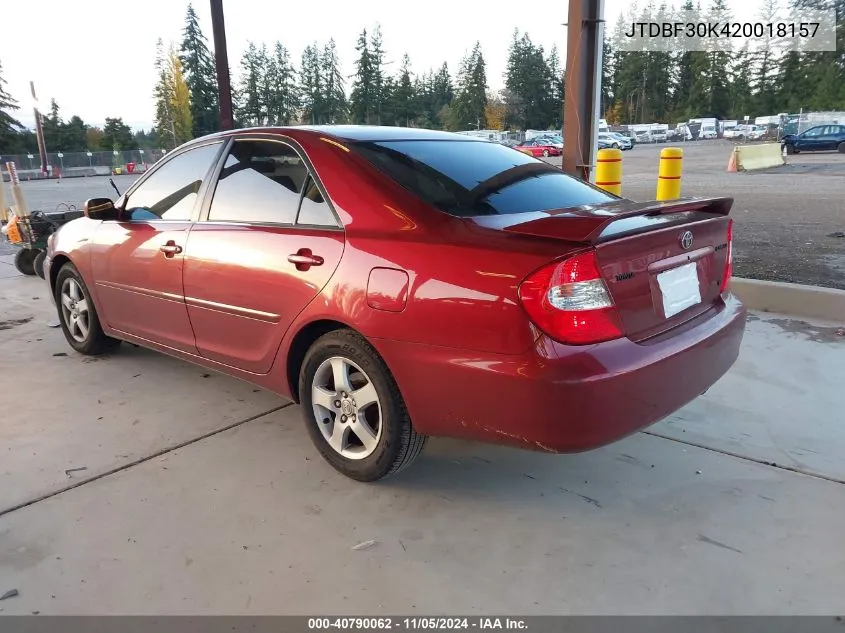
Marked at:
<point>792,299</point>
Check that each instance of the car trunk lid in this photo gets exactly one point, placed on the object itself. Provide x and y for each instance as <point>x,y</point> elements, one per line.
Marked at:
<point>663,262</point>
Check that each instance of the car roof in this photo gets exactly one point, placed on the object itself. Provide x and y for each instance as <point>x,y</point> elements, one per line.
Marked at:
<point>355,133</point>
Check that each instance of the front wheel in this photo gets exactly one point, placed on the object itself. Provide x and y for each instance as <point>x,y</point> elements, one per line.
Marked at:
<point>615,146</point>
<point>546,153</point>
<point>841,148</point>
<point>78,316</point>
<point>353,409</point>
<point>790,150</point>
<point>25,261</point>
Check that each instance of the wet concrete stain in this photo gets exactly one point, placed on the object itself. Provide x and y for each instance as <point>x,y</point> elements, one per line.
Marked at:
<point>8,325</point>
<point>815,333</point>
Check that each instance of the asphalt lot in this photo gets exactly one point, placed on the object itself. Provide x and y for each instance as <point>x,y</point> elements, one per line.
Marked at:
<point>784,216</point>
<point>136,483</point>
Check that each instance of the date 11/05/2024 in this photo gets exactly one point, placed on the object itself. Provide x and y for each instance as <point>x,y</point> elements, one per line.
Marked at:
<point>415,623</point>
<point>723,29</point>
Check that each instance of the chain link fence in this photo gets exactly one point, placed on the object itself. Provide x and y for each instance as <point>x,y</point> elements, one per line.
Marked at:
<point>69,164</point>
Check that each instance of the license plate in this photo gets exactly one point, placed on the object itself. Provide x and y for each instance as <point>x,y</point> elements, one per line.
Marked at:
<point>679,288</point>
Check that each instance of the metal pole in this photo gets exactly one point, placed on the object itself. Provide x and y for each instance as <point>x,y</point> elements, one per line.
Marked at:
<point>39,131</point>
<point>221,59</point>
<point>582,91</point>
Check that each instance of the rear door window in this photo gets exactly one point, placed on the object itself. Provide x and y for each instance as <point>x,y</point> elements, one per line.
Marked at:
<point>471,178</point>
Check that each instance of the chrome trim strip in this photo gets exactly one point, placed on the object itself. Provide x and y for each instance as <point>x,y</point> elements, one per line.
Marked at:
<point>156,294</point>
<point>247,313</point>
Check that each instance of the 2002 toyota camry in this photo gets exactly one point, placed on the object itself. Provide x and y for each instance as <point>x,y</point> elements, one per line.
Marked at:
<point>402,283</point>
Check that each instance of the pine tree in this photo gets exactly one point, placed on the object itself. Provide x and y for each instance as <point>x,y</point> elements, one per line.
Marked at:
<point>333,91</point>
<point>200,75</point>
<point>468,107</point>
<point>311,86</point>
<point>283,105</point>
<point>51,127</point>
<point>10,127</point>
<point>250,106</point>
<point>362,102</point>
<point>403,96</point>
<point>555,89</point>
<point>381,95</point>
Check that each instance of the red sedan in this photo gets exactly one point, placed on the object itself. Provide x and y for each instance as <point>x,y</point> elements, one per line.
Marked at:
<point>402,283</point>
<point>538,147</point>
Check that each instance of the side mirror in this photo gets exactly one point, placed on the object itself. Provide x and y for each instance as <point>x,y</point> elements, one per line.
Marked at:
<point>99,209</point>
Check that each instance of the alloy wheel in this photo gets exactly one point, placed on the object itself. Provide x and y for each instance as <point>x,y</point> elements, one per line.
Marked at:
<point>346,408</point>
<point>75,310</point>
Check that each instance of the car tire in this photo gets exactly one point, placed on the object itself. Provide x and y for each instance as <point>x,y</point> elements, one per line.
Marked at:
<point>615,146</point>
<point>545,153</point>
<point>25,261</point>
<point>790,149</point>
<point>374,439</point>
<point>38,263</point>
<point>841,148</point>
<point>81,326</point>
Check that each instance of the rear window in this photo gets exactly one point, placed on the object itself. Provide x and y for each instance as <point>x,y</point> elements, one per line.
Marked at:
<point>466,178</point>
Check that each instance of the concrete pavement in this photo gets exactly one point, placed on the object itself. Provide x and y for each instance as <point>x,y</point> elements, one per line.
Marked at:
<point>245,517</point>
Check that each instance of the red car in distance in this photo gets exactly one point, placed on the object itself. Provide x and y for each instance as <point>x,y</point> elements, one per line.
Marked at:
<point>538,147</point>
<point>403,283</point>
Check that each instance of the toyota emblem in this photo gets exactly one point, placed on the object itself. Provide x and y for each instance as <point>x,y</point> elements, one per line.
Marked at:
<point>686,240</point>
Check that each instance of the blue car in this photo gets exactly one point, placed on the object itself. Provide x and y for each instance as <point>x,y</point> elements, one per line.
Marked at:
<point>816,139</point>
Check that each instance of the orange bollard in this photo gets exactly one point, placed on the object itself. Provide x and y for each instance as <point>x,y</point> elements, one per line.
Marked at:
<point>609,170</point>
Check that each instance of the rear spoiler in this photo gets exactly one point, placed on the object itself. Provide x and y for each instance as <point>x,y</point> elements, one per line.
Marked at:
<point>587,224</point>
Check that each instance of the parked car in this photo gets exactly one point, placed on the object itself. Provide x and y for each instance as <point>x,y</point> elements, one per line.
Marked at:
<point>744,132</point>
<point>539,147</point>
<point>405,283</point>
<point>616,140</point>
<point>816,139</point>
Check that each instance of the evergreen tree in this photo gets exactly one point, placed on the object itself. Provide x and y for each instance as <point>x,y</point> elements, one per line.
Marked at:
<point>116,135</point>
<point>555,90</point>
<point>403,96</point>
<point>10,127</point>
<point>527,82</point>
<point>311,86</point>
<point>381,93</point>
<point>283,106</point>
<point>250,104</point>
<point>468,106</point>
<point>363,101</point>
<point>51,127</point>
<point>333,90</point>
<point>200,76</point>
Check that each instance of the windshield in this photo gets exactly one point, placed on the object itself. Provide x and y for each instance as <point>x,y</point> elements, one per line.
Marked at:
<point>465,178</point>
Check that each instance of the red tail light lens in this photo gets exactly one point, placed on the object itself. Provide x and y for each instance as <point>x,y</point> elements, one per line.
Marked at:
<point>726,278</point>
<point>569,301</point>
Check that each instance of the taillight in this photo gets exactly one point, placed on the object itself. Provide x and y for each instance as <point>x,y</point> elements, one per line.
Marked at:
<point>726,278</point>
<point>569,301</point>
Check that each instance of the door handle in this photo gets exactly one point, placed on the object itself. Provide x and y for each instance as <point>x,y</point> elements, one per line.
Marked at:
<point>304,259</point>
<point>170,249</point>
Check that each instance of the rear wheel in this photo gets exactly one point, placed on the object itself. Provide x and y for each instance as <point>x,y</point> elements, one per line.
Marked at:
<point>25,261</point>
<point>38,264</point>
<point>78,316</point>
<point>353,409</point>
<point>841,148</point>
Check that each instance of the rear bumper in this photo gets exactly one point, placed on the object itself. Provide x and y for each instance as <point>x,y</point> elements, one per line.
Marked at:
<point>563,399</point>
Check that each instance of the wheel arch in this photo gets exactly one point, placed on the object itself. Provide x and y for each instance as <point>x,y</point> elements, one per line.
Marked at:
<point>302,342</point>
<point>55,266</point>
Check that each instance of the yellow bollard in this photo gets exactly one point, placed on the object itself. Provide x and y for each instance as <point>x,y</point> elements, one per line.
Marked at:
<point>609,170</point>
<point>669,173</point>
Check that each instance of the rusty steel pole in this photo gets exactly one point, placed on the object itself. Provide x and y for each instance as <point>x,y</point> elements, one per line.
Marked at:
<point>221,60</point>
<point>582,89</point>
<point>39,131</point>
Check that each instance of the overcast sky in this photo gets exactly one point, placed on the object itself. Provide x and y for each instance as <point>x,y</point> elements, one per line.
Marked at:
<point>95,57</point>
